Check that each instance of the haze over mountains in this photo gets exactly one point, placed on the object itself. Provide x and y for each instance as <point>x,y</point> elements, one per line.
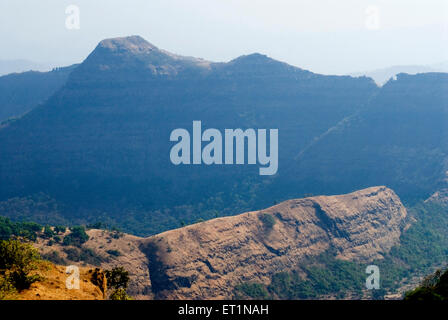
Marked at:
<point>91,143</point>
<point>400,139</point>
<point>98,149</point>
<point>21,65</point>
<point>21,92</point>
<point>102,141</point>
<point>381,76</point>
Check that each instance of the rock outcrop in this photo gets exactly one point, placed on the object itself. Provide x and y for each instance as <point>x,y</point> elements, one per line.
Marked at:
<point>206,260</point>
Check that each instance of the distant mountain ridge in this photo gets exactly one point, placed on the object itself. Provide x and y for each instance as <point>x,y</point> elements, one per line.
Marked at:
<point>400,139</point>
<point>21,92</point>
<point>381,76</point>
<point>101,143</point>
<point>99,147</point>
<point>22,65</point>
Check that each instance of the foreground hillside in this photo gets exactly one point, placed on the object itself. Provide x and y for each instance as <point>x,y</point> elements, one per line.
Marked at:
<point>433,288</point>
<point>53,286</point>
<point>311,248</point>
<point>207,260</point>
<point>210,260</point>
<point>24,275</point>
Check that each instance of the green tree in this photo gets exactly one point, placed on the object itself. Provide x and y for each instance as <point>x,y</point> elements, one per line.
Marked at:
<point>48,232</point>
<point>120,294</point>
<point>17,260</point>
<point>117,278</point>
<point>268,220</point>
<point>77,236</point>
<point>60,229</point>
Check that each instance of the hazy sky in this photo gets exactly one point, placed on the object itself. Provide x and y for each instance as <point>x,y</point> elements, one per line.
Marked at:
<point>326,36</point>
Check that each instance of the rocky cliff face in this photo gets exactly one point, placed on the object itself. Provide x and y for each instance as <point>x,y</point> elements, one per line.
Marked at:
<point>206,260</point>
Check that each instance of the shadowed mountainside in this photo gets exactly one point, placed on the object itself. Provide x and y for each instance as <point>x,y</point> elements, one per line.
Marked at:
<point>101,143</point>
<point>21,92</point>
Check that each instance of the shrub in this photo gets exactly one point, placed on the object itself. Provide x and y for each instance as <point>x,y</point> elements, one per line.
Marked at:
<point>119,294</point>
<point>117,278</point>
<point>17,260</point>
<point>48,232</point>
<point>97,225</point>
<point>86,255</point>
<point>26,230</point>
<point>114,253</point>
<point>60,229</point>
<point>253,290</point>
<point>76,237</point>
<point>7,289</point>
<point>433,288</point>
<point>54,257</point>
<point>268,221</point>
<point>117,234</point>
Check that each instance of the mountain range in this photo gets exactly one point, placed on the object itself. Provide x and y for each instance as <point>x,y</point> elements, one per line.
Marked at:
<point>209,260</point>
<point>21,92</point>
<point>98,148</point>
<point>90,144</point>
<point>101,142</point>
<point>381,76</point>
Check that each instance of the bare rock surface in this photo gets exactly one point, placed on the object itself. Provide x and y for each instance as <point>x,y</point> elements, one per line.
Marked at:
<point>206,260</point>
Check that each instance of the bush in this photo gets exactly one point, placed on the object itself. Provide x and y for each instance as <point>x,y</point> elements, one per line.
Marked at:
<point>117,278</point>
<point>54,257</point>
<point>114,253</point>
<point>48,232</point>
<point>433,288</point>
<point>268,221</point>
<point>26,230</point>
<point>116,234</point>
<point>97,225</point>
<point>76,237</point>
<point>60,229</point>
<point>85,255</point>
<point>17,260</point>
<point>119,294</point>
<point>252,290</point>
<point>7,289</point>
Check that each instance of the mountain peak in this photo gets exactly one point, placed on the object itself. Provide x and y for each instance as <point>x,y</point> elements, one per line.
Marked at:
<point>134,44</point>
<point>133,57</point>
<point>261,64</point>
<point>253,58</point>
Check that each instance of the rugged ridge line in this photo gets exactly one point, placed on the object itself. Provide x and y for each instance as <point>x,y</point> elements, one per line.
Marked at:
<point>206,260</point>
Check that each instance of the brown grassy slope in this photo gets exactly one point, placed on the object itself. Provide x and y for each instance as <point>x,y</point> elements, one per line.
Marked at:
<point>207,260</point>
<point>53,285</point>
<point>130,257</point>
